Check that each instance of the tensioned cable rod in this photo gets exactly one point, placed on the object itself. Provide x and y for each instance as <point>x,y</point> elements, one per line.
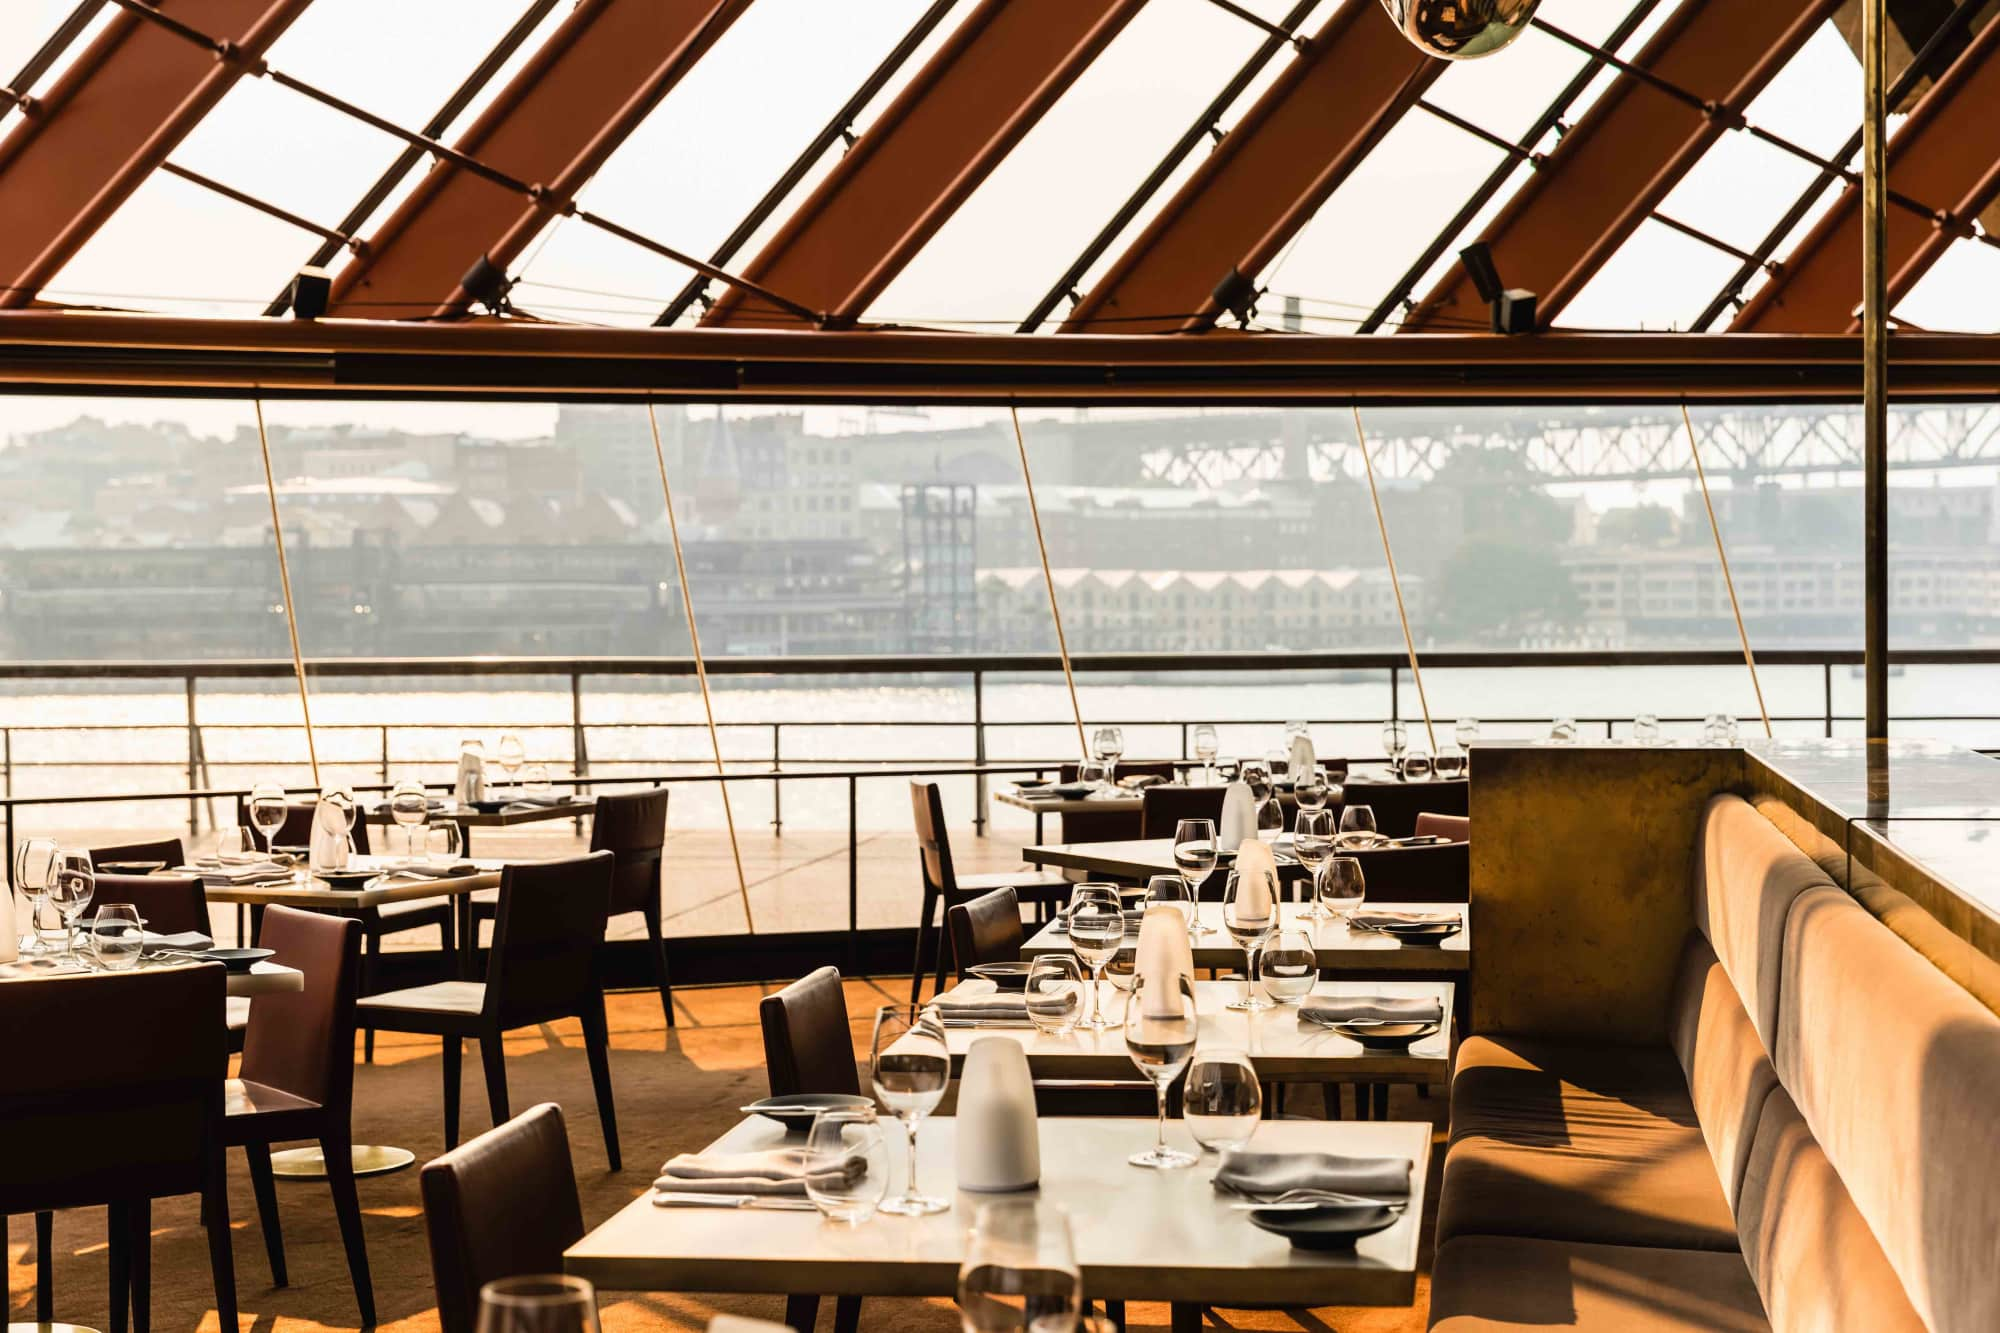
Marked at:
<point>285,585</point>
<point>1395,582</point>
<point>540,196</point>
<point>248,200</point>
<point>1049,579</point>
<point>1728,580</point>
<point>50,51</point>
<point>1259,21</point>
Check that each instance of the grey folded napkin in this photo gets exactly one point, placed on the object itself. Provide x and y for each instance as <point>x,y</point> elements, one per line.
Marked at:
<point>1134,918</point>
<point>191,941</point>
<point>1376,920</point>
<point>1002,1007</point>
<point>1265,1175</point>
<point>1378,1008</point>
<point>537,802</point>
<point>780,1172</point>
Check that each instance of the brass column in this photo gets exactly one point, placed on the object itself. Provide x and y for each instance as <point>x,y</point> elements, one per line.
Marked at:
<point>1875,367</point>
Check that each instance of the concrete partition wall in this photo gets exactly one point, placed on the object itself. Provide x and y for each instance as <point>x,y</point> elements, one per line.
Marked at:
<point>1581,857</point>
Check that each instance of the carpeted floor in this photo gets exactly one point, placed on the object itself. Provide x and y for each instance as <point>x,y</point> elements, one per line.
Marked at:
<point>676,1091</point>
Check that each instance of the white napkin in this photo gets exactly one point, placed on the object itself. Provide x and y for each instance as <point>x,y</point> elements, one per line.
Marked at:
<point>328,850</point>
<point>1302,759</point>
<point>1257,891</point>
<point>1239,815</point>
<point>1163,956</point>
<point>731,1323</point>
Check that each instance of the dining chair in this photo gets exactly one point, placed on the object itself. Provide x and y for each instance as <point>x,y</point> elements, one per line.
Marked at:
<point>113,1097</point>
<point>167,850</point>
<point>1165,806</point>
<point>632,826</point>
<point>1112,825</point>
<point>297,1079</point>
<point>542,968</point>
<point>809,1047</point>
<point>474,1220</point>
<point>170,905</point>
<point>1397,804</point>
<point>985,930</point>
<point>1432,824</point>
<point>945,889</point>
<point>1441,873</point>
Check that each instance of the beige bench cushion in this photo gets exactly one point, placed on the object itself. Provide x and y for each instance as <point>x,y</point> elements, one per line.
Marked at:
<point>1484,1284</point>
<point>1815,1262</point>
<point>1746,875</point>
<point>1578,1142</point>
<point>1897,1072</point>
<point>1728,1074</point>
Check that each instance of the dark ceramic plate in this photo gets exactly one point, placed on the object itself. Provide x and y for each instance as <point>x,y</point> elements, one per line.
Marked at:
<point>1004,976</point>
<point>236,960</point>
<point>796,1110</point>
<point>1423,933</point>
<point>131,867</point>
<point>1070,791</point>
<point>345,879</point>
<point>1330,1227</point>
<point>1387,1036</point>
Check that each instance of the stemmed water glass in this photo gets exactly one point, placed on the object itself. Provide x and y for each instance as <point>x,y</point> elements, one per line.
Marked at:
<point>1094,774</point>
<point>1160,1031</point>
<point>1222,1100</point>
<point>1395,740</point>
<point>1107,744</point>
<point>1206,747</point>
<point>34,871</point>
<point>1467,731</point>
<point>1450,762</point>
<point>1019,1274</point>
<point>1357,827</point>
<point>1096,929</point>
<point>70,891</point>
<point>409,807</point>
<point>1195,856</point>
<point>1312,843</point>
<point>539,1303</point>
<point>1249,918</point>
<point>1342,886</point>
<point>909,1066</point>
<point>511,755</point>
<point>268,809</point>
<point>1172,891</point>
<point>1311,788</point>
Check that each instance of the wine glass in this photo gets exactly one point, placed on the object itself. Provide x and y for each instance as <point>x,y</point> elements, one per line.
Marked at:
<point>1416,765</point>
<point>1019,1274</point>
<point>1095,774</point>
<point>409,807</point>
<point>268,811</point>
<point>909,1066</point>
<point>1450,762</point>
<point>1160,1032</point>
<point>1395,740</point>
<point>443,842</point>
<point>838,1139</point>
<point>1123,971</point>
<point>539,1303</point>
<point>535,781</point>
<point>1646,729</point>
<point>1096,928</point>
<point>1055,993</point>
<point>1206,747</point>
<point>1195,856</point>
<point>234,845</point>
<point>1563,731</point>
<point>1357,827</point>
<point>511,755</point>
<point>117,936</point>
<point>1342,886</point>
<point>1222,1100</point>
<point>34,871</point>
<point>1311,788</point>
<point>1312,843</point>
<point>1172,891</point>
<point>70,892</point>
<point>1279,762</point>
<point>1288,965</point>
<point>1249,915</point>
<point>1106,745</point>
<point>1467,731</point>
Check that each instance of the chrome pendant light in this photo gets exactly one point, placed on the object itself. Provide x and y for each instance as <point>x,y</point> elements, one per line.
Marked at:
<point>1461,29</point>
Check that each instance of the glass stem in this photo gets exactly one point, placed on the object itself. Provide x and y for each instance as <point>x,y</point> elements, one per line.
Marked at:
<point>1096,992</point>
<point>1160,1138</point>
<point>1256,952</point>
<point>910,1182</point>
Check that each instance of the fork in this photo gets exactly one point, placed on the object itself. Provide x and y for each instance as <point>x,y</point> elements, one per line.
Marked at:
<point>1313,1198</point>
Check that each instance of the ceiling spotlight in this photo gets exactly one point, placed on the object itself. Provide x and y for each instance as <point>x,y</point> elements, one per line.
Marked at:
<point>311,291</point>
<point>1461,29</point>
<point>487,283</point>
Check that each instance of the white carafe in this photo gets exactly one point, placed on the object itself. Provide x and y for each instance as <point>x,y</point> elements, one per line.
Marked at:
<point>999,1141</point>
<point>471,783</point>
<point>1239,815</point>
<point>330,839</point>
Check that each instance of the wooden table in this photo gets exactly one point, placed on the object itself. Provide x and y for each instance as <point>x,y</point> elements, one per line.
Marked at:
<point>1284,1048</point>
<point>1136,859</point>
<point>263,978</point>
<point>469,819</point>
<point>305,892</point>
<point>1341,949</point>
<point>1140,1235</point>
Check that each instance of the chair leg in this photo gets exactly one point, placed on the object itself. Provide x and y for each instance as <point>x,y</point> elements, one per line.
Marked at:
<point>847,1314</point>
<point>447,949</point>
<point>925,942</point>
<point>261,1181</point>
<point>221,1259</point>
<point>1331,1092</point>
<point>142,1265</point>
<point>1381,1096</point>
<point>801,1313</point>
<point>652,915</point>
<point>454,1052</point>
<point>45,1268</point>
<point>339,1153</point>
<point>597,1045</point>
<point>1115,1312</point>
<point>118,1239</point>
<point>371,963</point>
<point>494,1059</point>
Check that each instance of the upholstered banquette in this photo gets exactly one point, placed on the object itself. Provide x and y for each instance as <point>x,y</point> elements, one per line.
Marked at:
<point>1815,1147</point>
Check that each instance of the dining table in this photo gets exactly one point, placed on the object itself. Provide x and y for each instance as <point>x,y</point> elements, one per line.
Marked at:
<point>1341,947</point>
<point>1139,1235</point>
<point>503,814</point>
<point>263,977</point>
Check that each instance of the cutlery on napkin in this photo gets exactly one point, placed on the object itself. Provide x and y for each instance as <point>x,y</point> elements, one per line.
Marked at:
<point>779,1172</point>
<point>1268,1177</point>
<point>1372,1009</point>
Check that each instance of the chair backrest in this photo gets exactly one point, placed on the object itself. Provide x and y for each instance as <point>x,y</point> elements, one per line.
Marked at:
<point>296,831</point>
<point>933,843</point>
<point>302,1042</point>
<point>808,1044</point>
<point>168,850</point>
<point>545,938</point>
<point>985,930</point>
<point>1437,874</point>
<point>632,826</point>
<point>1456,827</point>
<point>168,904</point>
<point>474,1214</point>
<point>1396,804</point>
<point>1166,806</point>
<point>113,1087</point>
<point>1112,825</point>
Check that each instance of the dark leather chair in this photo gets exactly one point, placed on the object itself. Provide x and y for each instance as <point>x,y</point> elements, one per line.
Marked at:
<point>169,904</point>
<point>1166,806</point>
<point>943,888</point>
<point>632,826</point>
<point>1434,825</point>
<point>808,1041</point>
<point>809,1047</point>
<point>298,1079</point>
<point>474,1218</point>
<point>168,850</point>
<point>113,1096</point>
<point>1437,874</point>
<point>1397,804</point>
<point>542,968</point>
<point>1112,825</point>
<point>985,930</point>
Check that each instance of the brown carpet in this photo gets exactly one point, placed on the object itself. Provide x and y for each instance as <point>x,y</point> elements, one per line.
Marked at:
<point>676,1091</point>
